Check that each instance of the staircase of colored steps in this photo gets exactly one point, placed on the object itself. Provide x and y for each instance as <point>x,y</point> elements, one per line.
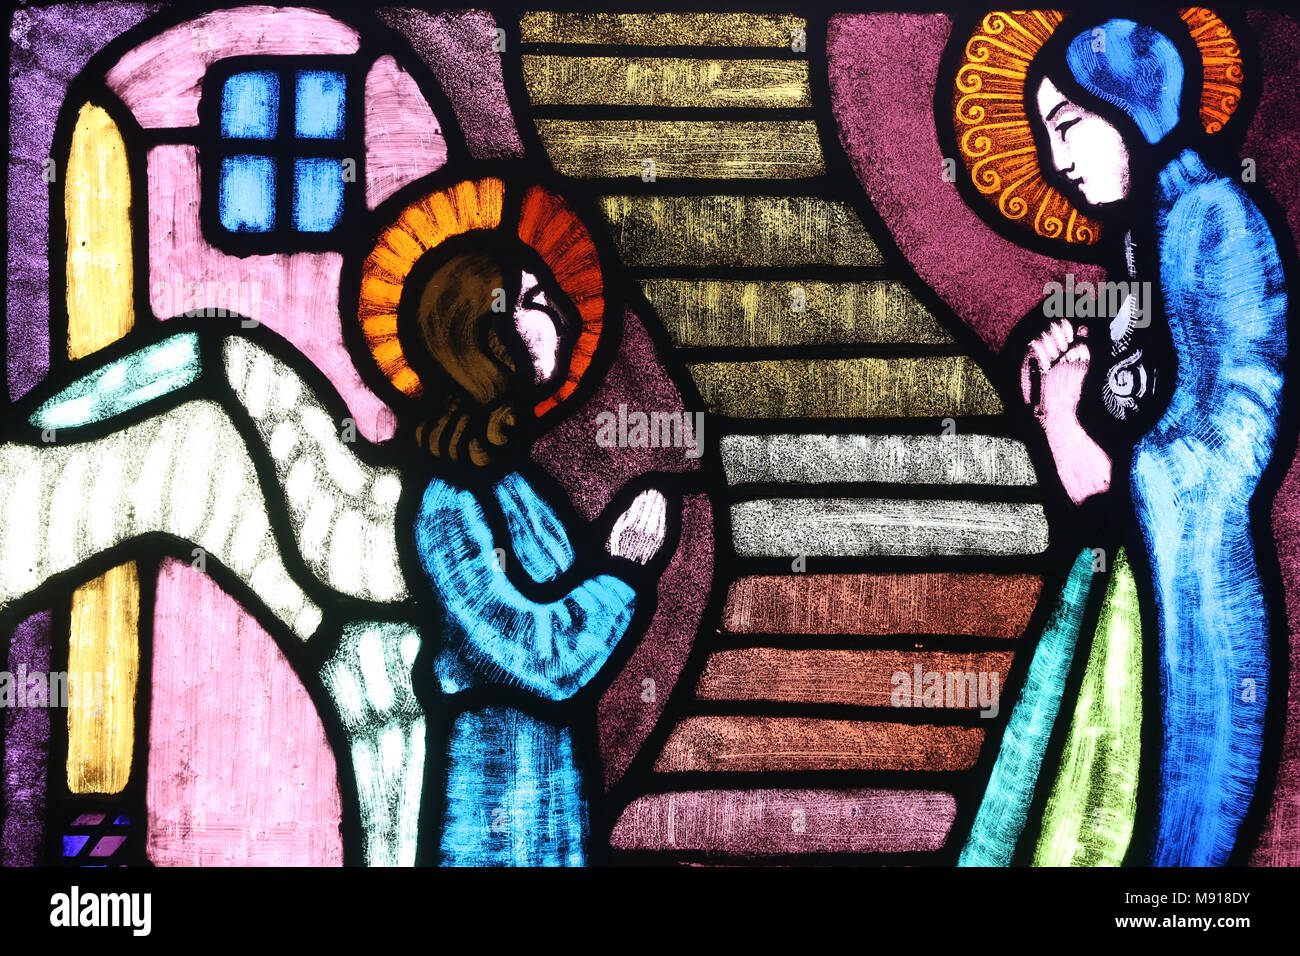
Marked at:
<point>884,520</point>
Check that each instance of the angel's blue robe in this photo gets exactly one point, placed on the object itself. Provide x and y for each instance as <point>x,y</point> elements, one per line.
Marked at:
<point>514,784</point>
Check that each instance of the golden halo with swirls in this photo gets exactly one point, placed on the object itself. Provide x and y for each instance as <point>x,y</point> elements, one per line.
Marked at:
<point>993,133</point>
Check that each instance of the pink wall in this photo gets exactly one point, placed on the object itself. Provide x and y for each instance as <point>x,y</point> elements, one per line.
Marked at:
<point>403,138</point>
<point>240,771</point>
<point>161,79</point>
<point>296,295</point>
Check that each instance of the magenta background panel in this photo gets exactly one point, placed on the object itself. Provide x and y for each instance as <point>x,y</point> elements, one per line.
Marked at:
<point>593,475</point>
<point>883,70</point>
<point>457,46</point>
<point>1273,141</point>
<point>26,751</point>
<point>630,708</point>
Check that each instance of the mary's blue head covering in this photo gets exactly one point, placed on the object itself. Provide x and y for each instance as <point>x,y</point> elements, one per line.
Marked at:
<point>1134,67</point>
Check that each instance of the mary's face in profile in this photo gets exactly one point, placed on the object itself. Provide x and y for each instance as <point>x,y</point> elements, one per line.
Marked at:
<point>1087,150</point>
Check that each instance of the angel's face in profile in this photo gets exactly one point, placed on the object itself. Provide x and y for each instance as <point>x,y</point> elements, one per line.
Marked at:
<point>494,321</point>
<point>494,330</point>
<point>540,324</point>
<point>1086,149</point>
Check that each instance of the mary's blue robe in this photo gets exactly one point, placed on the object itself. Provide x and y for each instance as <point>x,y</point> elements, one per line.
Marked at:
<point>1192,478</point>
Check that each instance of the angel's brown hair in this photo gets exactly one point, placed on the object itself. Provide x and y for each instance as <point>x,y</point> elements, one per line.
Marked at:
<point>458,328</point>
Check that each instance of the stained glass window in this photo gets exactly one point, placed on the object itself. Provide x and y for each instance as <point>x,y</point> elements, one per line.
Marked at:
<point>287,153</point>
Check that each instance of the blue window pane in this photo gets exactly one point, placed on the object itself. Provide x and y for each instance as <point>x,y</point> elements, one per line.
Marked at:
<point>250,105</point>
<point>319,104</point>
<point>247,194</point>
<point>317,194</point>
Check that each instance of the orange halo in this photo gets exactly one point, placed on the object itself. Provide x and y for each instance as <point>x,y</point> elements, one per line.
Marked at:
<point>474,204</point>
<point>546,223</point>
<point>1221,66</point>
<point>993,132</point>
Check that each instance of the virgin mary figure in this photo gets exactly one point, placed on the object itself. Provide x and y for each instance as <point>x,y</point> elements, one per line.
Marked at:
<point>1161,417</point>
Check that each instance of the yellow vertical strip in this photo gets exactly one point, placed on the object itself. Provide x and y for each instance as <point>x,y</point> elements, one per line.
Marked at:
<point>97,201</point>
<point>104,641</point>
<point>103,670</point>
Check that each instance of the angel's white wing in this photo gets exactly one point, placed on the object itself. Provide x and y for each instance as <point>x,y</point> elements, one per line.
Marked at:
<point>342,510</point>
<point>189,471</point>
